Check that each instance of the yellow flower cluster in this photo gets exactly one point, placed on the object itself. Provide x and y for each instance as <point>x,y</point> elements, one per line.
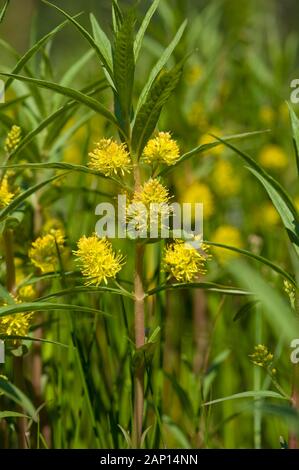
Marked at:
<point>184,262</point>
<point>110,158</point>
<point>162,149</point>
<point>16,324</point>
<point>273,157</point>
<point>152,192</point>
<point>13,139</point>
<point>97,259</point>
<point>5,194</point>
<point>43,252</point>
<point>27,293</point>
<point>261,356</point>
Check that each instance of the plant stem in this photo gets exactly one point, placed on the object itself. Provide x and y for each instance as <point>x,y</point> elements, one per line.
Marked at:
<point>139,342</point>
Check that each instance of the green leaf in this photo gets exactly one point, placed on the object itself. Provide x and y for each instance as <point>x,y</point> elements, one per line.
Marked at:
<point>45,306</point>
<point>117,16</point>
<point>275,307</point>
<point>16,395</point>
<point>159,66</point>
<point>34,49</point>
<point>62,166</point>
<point>9,104</point>
<point>210,286</point>
<point>143,27</point>
<point>101,40</point>
<point>70,92</point>
<point>87,290</point>
<point>149,113</point>
<point>246,308</point>
<point>250,394</point>
<point>12,414</point>
<point>290,221</point>
<point>124,68</point>
<point>44,124</point>
<point>85,34</point>
<point>204,147</point>
<point>261,259</point>
<point>72,73</point>
<point>23,196</point>
<point>295,130</point>
<point>3,10</point>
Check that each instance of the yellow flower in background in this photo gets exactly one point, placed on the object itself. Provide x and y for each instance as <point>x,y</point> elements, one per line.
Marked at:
<point>267,114</point>
<point>193,74</point>
<point>296,202</point>
<point>261,356</point>
<point>200,193</point>
<point>27,293</point>
<point>5,194</point>
<point>226,235</point>
<point>267,215</point>
<point>98,262</point>
<point>110,158</point>
<point>208,139</point>
<point>13,139</point>
<point>162,149</point>
<point>197,116</point>
<point>53,224</point>
<point>226,181</point>
<point>184,262</point>
<point>44,251</point>
<point>273,157</point>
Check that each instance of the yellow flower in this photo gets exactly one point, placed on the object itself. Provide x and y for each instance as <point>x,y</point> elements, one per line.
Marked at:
<point>193,74</point>
<point>267,216</point>
<point>227,235</point>
<point>183,262</point>
<point>200,193</point>
<point>273,156</point>
<point>43,252</point>
<point>27,293</point>
<point>226,181</point>
<point>261,356</point>
<point>152,192</point>
<point>149,208</point>
<point>5,194</point>
<point>267,115</point>
<point>110,158</point>
<point>13,139</point>
<point>97,259</point>
<point>162,149</point>
<point>197,116</point>
<point>208,139</point>
<point>16,324</point>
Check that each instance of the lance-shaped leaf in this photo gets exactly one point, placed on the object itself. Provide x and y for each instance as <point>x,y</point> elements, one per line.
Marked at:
<point>143,27</point>
<point>295,130</point>
<point>124,68</point>
<point>3,10</point>
<point>70,92</point>
<point>149,113</point>
<point>85,34</point>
